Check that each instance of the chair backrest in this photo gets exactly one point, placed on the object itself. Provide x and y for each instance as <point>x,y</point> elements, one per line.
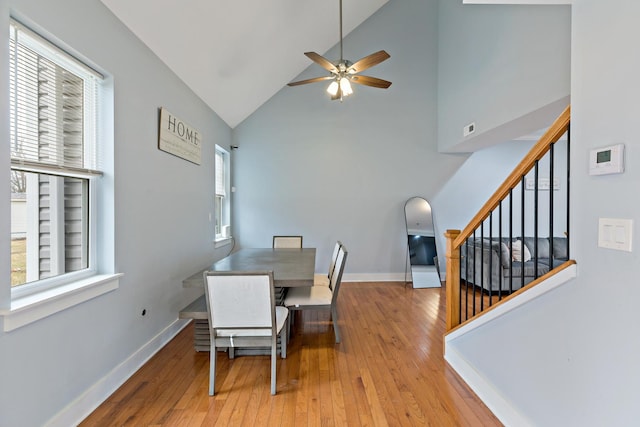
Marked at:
<point>334,256</point>
<point>334,284</point>
<point>237,300</point>
<point>294,242</point>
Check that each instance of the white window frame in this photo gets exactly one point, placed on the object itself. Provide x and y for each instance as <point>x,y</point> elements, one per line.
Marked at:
<point>223,236</point>
<point>41,298</point>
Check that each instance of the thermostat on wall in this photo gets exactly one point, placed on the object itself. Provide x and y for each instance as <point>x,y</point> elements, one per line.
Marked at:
<point>607,160</point>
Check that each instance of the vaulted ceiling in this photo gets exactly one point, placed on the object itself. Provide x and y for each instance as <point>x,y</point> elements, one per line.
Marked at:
<point>235,55</point>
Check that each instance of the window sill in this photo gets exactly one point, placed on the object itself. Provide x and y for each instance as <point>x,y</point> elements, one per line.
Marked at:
<point>31,308</point>
<point>219,243</point>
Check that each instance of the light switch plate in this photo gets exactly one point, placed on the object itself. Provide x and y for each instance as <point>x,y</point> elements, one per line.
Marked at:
<point>615,233</point>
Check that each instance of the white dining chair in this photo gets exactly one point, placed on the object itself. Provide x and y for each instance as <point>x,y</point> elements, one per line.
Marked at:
<point>320,297</point>
<point>287,242</point>
<point>324,280</point>
<point>242,313</point>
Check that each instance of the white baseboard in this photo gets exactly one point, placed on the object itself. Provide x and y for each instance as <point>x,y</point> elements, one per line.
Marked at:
<point>375,277</point>
<point>496,403</point>
<point>88,401</point>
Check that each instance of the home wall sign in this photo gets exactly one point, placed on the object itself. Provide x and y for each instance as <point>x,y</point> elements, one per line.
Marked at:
<point>178,138</point>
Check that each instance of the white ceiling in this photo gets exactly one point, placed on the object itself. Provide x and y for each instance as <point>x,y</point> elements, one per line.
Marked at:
<point>236,55</point>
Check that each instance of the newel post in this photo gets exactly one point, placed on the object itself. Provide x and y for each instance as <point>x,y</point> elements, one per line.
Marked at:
<point>453,280</point>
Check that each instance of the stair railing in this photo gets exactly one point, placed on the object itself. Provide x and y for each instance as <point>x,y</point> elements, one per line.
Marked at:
<point>485,262</point>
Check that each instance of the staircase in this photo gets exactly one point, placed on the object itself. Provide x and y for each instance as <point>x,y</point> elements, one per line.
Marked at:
<point>519,240</point>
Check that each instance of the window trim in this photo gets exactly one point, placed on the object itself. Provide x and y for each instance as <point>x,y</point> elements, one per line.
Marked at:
<point>92,82</point>
<point>35,306</point>
<point>37,300</point>
<point>43,285</point>
<point>221,240</point>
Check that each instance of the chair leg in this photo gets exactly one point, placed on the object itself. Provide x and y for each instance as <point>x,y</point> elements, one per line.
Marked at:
<point>273,366</point>
<point>336,331</point>
<point>292,316</point>
<point>284,337</point>
<point>212,369</point>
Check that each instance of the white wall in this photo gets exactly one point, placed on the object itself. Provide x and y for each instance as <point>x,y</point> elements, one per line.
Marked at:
<point>329,170</point>
<point>507,95</point>
<point>570,357</point>
<point>162,230</point>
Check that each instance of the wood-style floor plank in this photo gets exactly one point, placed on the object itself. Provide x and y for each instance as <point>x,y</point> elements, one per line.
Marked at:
<point>388,370</point>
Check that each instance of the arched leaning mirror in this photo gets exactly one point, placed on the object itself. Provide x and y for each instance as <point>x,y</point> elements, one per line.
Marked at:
<point>421,244</point>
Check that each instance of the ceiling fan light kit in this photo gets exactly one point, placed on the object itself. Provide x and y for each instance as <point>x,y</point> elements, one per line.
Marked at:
<point>344,72</point>
<point>342,85</point>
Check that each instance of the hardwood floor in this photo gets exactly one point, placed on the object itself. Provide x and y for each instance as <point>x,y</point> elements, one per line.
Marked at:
<point>387,371</point>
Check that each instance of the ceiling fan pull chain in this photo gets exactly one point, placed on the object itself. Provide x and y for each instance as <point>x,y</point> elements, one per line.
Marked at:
<point>341,56</point>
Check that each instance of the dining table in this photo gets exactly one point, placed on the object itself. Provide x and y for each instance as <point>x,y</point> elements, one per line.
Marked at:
<point>291,267</point>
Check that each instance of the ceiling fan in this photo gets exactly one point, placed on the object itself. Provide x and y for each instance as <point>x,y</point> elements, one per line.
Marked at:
<point>345,72</point>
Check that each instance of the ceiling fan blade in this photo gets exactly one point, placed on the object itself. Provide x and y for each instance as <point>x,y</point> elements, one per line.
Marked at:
<point>322,61</point>
<point>368,62</point>
<point>313,80</point>
<point>370,81</point>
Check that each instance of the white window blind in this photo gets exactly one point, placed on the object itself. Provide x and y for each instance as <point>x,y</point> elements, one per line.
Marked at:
<point>53,117</point>
<point>220,174</point>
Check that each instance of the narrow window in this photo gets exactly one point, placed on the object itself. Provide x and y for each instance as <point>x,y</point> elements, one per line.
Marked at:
<point>222,199</point>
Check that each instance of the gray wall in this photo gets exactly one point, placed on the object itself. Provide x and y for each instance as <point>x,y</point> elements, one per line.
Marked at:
<point>476,180</point>
<point>329,170</point>
<point>331,166</point>
<point>506,68</point>
<point>162,230</point>
<point>570,357</point>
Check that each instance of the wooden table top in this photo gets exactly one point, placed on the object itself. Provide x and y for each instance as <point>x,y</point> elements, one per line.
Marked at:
<point>291,267</point>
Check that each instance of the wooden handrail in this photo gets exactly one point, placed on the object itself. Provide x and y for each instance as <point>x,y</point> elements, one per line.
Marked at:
<point>553,134</point>
<point>456,238</point>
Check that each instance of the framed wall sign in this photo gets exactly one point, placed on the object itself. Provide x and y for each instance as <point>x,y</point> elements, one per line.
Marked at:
<point>176,137</point>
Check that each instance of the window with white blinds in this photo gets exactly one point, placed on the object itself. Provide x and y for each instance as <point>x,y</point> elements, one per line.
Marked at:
<point>54,115</point>
<point>53,107</point>
<point>220,173</point>
<point>222,202</point>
